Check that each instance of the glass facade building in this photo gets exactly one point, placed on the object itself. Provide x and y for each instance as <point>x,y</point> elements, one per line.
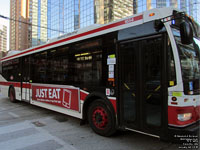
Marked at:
<point>38,16</point>
<point>65,16</point>
<point>57,17</point>
<point>52,18</point>
<point>191,7</point>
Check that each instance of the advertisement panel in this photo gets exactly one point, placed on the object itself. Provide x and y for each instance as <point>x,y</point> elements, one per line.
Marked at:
<point>67,97</point>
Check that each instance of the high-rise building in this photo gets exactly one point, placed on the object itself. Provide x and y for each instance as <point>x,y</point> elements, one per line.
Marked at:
<point>64,16</point>
<point>38,18</point>
<point>52,18</point>
<point>3,38</point>
<point>111,10</point>
<point>19,28</point>
<point>57,17</point>
<point>160,3</point>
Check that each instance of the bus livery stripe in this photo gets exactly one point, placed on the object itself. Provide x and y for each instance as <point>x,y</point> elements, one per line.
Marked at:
<point>116,24</point>
<point>16,84</point>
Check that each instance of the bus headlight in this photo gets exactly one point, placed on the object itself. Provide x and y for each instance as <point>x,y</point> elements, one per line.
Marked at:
<point>184,117</point>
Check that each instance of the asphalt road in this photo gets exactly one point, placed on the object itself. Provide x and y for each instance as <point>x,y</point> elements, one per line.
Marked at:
<point>27,127</point>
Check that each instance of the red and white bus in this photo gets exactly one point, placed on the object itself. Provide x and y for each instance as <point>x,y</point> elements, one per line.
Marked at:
<point>140,73</point>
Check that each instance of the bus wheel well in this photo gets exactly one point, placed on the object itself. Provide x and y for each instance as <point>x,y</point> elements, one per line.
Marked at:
<point>10,87</point>
<point>11,94</point>
<point>87,104</point>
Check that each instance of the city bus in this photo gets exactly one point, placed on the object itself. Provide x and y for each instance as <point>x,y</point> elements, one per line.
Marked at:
<point>140,73</point>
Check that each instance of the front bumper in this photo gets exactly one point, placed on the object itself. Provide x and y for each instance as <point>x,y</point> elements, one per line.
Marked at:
<point>187,134</point>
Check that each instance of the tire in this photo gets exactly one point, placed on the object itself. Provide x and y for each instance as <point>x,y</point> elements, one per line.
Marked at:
<point>101,119</point>
<point>12,95</point>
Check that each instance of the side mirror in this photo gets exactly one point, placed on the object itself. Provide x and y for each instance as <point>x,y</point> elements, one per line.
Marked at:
<point>158,25</point>
<point>186,33</point>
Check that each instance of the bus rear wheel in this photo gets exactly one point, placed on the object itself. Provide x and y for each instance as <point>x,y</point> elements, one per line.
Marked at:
<point>12,95</point>
<point>101,119</point>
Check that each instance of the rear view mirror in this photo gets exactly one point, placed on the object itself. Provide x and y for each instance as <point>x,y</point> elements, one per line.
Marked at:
<point>158,25</point>
<point>186,33</point>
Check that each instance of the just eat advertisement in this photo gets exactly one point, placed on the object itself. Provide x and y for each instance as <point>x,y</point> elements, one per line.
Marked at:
<point>66,97</point>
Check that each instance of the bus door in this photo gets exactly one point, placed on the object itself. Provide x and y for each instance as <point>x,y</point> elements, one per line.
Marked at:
<point>25,78</point>
<point>143,100</point>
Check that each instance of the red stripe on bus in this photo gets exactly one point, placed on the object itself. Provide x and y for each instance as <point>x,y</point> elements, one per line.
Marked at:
<point>26,85</point>
<point>83,95</point>
<point>16,84</point>
<point>130,20</point>
<point>113,102</point>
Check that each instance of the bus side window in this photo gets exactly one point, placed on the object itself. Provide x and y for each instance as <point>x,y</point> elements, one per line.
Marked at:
<point>11,70</point>
<point>171,68</point>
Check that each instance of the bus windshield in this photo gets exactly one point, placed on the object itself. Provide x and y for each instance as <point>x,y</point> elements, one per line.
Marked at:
<point>190,63</point>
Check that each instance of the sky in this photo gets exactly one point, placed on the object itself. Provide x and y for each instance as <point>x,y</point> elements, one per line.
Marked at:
<point>5,11</point>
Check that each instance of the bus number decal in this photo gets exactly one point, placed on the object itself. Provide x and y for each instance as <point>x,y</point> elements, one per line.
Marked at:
<point>129,20</point>
<point>63,97</point>
<point>132,19</point>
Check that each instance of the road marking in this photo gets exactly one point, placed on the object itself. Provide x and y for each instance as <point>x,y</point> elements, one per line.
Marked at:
<point>14,115</point>
<point>2,109</point>
<point>66,145</point>
<point>25,135</point>
<point>15,127</point>
<point>24,141</point>
<point>17,134</point>
<point>47,145</point>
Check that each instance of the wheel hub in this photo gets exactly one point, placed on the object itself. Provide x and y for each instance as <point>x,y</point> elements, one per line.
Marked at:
<point>100,118</point>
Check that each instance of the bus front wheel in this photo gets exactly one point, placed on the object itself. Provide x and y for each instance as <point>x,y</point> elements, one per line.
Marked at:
<point>101,119</point>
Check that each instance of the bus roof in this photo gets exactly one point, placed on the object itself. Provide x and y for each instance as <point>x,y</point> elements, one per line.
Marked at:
<point>96,30</point>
